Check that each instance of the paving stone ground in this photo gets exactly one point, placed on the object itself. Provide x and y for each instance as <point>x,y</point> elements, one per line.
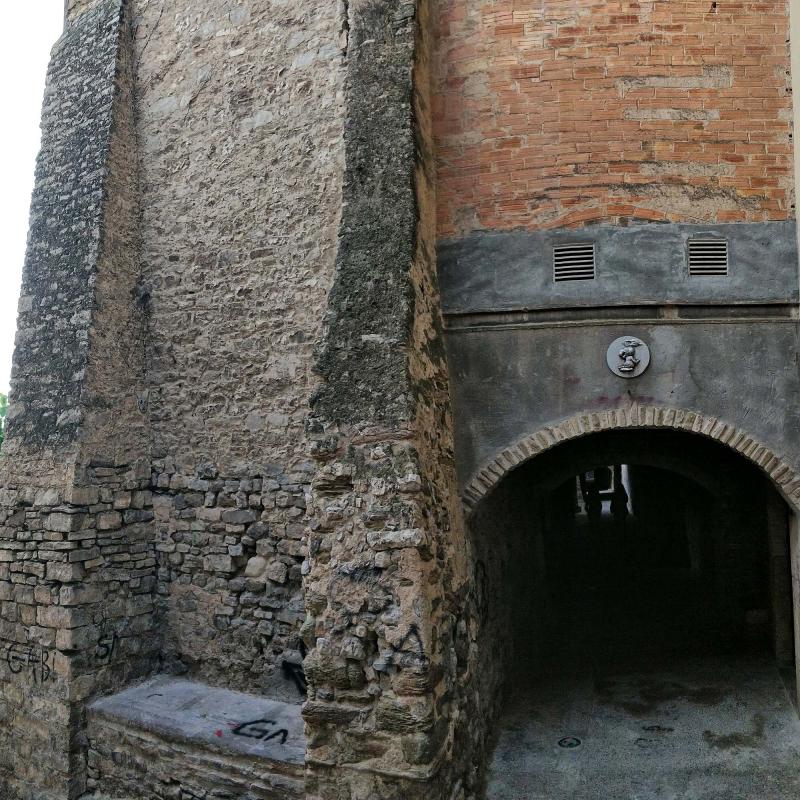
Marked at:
<point>656,703</point>
<point>705,729</point>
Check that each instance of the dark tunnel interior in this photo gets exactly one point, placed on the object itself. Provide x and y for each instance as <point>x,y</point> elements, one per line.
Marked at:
<point>634,587</point>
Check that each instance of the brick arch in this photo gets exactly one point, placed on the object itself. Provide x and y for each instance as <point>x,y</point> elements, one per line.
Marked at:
<point>610,214</point>
<point>780,472</point>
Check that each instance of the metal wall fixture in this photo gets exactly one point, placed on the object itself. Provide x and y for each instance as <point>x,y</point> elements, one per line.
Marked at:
<point>577,261</point>
<point>574,262</point>
<point>708,257</point>
<point>628,356</point>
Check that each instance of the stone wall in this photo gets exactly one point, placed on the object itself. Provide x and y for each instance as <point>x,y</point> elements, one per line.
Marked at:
<point>77,583</point>
<point>240,129</point>
<point>126,761</point>
<point>505,586</point>
<point>383,571</point>
<point>230,559</point>
<point>76,541</point>
<point>555,114</point>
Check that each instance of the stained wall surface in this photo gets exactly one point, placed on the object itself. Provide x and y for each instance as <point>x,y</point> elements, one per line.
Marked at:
<point>240,128</point>
<point>271,481</point>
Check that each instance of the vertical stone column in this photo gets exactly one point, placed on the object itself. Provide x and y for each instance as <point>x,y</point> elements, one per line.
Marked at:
<point>384,562</point>
<point>780,578</point>
<point>76,545</point>
<point>794,560</point>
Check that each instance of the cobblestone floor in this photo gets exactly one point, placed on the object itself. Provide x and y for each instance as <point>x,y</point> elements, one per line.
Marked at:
<point>642,699</point>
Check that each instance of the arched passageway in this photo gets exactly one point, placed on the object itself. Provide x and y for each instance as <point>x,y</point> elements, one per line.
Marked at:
<point>636,628</point>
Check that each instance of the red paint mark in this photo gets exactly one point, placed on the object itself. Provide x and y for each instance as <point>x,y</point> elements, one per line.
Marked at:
<point>218,733</point>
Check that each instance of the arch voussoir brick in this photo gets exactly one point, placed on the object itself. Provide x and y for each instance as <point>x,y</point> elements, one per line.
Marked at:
<point>782,474</point>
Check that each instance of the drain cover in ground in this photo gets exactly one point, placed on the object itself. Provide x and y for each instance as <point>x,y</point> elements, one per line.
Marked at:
<point>569,742</point>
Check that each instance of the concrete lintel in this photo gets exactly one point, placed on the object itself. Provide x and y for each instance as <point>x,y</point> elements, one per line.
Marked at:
<point>635,265</point>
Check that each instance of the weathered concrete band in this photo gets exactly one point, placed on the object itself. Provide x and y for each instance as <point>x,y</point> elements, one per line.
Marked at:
<point>504,389</point>
<point>639,264</point>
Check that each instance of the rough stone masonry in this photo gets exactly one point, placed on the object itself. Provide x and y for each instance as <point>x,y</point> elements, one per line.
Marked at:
<point>230,465</point>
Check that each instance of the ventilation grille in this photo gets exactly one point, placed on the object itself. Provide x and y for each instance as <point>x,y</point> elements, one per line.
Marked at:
<point>573,262</point>
<point>708,257</point>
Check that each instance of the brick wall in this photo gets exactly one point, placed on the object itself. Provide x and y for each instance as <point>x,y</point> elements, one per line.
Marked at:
<point>555,113</point>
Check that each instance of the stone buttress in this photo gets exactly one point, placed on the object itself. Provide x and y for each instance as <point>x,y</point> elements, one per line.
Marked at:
<point>388,644</point>
<point>76,544</point>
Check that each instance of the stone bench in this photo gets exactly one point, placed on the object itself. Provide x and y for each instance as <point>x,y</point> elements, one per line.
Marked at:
<point>174,738</point>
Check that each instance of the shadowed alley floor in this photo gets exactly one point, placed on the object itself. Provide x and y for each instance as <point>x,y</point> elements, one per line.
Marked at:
<point>705,729</point>
<point>649,703</point>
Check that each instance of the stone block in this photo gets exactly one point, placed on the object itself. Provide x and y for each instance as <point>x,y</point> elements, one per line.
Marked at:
<point>47,497</point>
<point>256,567</point>
<point>395,540</point>
<point>58,617</point>
<point>218,563</point>
<point>239,516</point>
<point>65,573</point>
<point>403,716</point>
<point>86,555</point>
<point>64,523</point>
<point>277,572</point>
<point>109,521</point>
<point>83,495</point>
<point>80,594</point>
<point>72,639</point>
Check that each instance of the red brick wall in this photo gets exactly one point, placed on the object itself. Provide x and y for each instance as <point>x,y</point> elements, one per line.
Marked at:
<point>551,113</point>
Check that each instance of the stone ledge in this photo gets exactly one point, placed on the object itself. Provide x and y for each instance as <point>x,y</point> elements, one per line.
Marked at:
<point>172,737</point>
<point>135,765</point>
<point>218,719</point>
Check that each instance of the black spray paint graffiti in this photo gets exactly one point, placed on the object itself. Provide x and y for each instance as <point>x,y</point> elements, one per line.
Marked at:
<point>261,729</point>
<point>295,673</point>
<point>32,658</point>
<point>409,652</point>
<point>105,648</point>
<point>413,641</point>
<point>38,661</point>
